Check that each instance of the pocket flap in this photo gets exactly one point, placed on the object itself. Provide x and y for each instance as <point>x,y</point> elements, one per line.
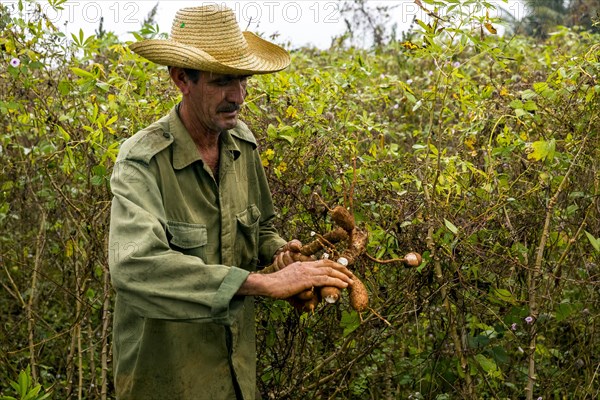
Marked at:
<point>249,217</point>
<point>187,236</point>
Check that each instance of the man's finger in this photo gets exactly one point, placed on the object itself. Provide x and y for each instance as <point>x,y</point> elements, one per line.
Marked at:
<point>294,246</point>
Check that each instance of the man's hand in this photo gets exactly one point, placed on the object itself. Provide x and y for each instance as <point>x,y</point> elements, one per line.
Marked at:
<point>288,254</point>
<point>296,278</point>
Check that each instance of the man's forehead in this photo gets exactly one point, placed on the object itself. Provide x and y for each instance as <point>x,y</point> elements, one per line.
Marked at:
<point>215,76</point>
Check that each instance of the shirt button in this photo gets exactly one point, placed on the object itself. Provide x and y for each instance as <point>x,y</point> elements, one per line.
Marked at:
<point>167,135</point>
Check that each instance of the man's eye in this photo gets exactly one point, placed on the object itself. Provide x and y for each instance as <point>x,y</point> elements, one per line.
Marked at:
<point>228,81</point>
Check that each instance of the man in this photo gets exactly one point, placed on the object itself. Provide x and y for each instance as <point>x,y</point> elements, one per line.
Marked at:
<point>192,219</point>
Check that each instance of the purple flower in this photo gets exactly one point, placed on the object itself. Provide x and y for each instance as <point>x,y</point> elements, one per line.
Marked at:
<point>514,326</point>
<point>529,319</point>
<point>456,64</point>
<point>15,62</point>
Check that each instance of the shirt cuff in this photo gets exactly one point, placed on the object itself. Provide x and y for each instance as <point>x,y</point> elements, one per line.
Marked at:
<point>225,305</point>
<point>267,251</point>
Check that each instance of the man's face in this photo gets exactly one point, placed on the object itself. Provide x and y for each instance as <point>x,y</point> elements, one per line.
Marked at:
<point>216,100</point>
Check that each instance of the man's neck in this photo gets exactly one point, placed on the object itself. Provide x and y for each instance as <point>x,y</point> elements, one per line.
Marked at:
<point>207,141</point>
<point>203,137</point>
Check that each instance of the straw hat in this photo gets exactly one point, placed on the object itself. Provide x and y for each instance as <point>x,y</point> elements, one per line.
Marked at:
<point>209,39</point>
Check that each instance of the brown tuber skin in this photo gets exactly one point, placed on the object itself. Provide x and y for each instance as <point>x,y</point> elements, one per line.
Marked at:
<point>307,250</point>
<point>330,294</point>
<point>335,236</point>
<point>354,250</point>
<point>359,297</point>
<point>413,259</point>
<point>343,218</point>
<point>357,242</point>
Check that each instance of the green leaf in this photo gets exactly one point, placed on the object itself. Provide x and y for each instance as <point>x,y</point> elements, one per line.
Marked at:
<point>516,104</point>
<point>487,364</point>
<point>504,295</point>
<point>594,241</point>
<point>542,150</point>
<point>543,89</point>
<point>528,94</point>
<point>33,392</point>
<point>253,107</point>
<point>103,86</point>
<point>451,226</point>
<point>519,112</point>
<point>564,310</point>
<point>417,105</point>
<point>24,382</point>
<point>350,322</point>
<point>82,73</point>
<point>423,25</point>
<point>530,106</point>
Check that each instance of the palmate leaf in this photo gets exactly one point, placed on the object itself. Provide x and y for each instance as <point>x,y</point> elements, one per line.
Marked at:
<point>542,150</point>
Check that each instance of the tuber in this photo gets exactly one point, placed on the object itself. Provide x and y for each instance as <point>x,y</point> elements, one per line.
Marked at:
<point>413,259</point>
<point>306,301</point>
<point>330,294</point>
<point>359,298</point>
<point>335,236</point>
<point>343,218</point>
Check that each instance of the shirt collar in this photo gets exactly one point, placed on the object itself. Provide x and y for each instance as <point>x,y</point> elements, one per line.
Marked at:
<point>184,148</point>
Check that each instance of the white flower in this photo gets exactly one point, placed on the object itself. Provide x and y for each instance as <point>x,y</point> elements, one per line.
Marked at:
<point>409,81</point>
<point>15,62</point>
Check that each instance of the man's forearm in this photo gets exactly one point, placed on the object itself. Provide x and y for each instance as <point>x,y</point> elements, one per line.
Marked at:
<point>254,285</point>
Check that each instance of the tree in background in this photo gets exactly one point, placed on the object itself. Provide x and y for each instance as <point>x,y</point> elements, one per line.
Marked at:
<point>545,15</point>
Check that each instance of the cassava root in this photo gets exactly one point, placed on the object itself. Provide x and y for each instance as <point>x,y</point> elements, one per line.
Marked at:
<point>359,297</point>
<point>330,238</point>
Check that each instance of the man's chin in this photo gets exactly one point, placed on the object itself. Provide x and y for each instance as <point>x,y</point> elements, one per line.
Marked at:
<point>229,123</point>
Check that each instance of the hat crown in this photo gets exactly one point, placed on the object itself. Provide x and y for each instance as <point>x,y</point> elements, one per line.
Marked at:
<point>212,29</point>
<point>208,38</point>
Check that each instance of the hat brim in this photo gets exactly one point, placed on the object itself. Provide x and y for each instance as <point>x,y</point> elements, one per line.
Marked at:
<point>262,57</point>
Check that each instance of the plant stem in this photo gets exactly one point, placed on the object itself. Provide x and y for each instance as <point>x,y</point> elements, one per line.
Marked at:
<point>105,325</point>
<point>536,274</point>
<point>40,243</point>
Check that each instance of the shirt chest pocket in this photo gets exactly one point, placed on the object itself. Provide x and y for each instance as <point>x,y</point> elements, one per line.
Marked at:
<point>190,239</point>
<point>246,244</point>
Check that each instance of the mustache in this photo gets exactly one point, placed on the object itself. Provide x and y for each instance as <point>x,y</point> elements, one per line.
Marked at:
<point>231,107</point>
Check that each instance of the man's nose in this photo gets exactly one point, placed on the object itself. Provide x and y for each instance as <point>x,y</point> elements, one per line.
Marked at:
<point>236,91</point>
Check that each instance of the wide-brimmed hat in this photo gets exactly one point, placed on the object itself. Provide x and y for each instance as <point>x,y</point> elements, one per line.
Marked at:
<point>208,38</point>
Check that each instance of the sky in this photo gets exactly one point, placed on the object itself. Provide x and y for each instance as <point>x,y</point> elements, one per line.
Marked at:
<point>297,23</point>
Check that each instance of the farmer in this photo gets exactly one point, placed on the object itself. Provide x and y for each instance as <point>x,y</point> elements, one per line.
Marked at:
<point>191,221</point>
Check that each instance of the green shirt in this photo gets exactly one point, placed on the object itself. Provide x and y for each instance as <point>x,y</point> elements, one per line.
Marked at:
<point>181,245</point>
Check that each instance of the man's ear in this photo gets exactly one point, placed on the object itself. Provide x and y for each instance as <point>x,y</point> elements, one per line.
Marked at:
<point>180,79</point>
